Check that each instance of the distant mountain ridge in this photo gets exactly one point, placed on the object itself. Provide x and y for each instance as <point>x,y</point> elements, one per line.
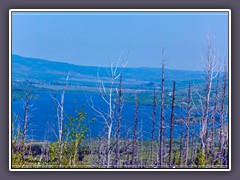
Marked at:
<point>33,68</point>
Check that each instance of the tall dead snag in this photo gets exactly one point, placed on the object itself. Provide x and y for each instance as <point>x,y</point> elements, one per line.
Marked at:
<point>171,126</point>
<point>27,108</point>
<point>107,94</point>
<point>153,125</point>
<point>161,121</point>
<point>222,113</point>
<point>134,143</point>
<point>117,155</point>
<point>213,116</point>
<point>209,68</point>
<point>60,118</point>
<point>187,123</point>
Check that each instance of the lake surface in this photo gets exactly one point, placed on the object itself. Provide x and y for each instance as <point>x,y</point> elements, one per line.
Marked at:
<point>44,115</point>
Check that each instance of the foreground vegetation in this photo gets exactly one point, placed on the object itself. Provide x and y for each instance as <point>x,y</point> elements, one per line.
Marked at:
<point>88,155</point>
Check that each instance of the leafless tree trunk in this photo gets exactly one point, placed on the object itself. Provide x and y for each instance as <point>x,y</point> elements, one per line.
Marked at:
<point>153,125</point>
<point>161,121</point>
<point>222,113</point>
<point>117,156</point>
<point>209,67</point>
<point>134,143</point>
<point>187,123</point>
<point>60,119</point>
<point>213,120</point>
<point>107,96</point>
<point>181,147</point>
<point>27,108</point>
<point>171,126</point>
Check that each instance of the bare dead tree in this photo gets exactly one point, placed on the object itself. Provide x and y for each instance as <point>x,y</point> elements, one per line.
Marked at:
<point>222,112</point>
<point>27,112</point>
<point>161,121</point>
<point>117,154</point>
<point>187,123</point>
<point>153,125</point>
<point>135,131</point>
<point>209,69</point>
<point>172,125</point>
<point>108,98</point>
<point>60,118</point>
<point>213,116</point>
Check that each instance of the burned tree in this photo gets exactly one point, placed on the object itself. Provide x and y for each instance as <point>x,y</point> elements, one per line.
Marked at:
<point>171,126</point>
<point>213,116</point>
<point>119,119</point>
<point>135,131</point>
<point>210,64</point>
<point>187,123</point>
<point>153,124</point>
<point>107,94</point>
<point>181,136</point>
<point>27,112</point>
<point>222,113</point>
<point>161,121</point>
<point>60,119</point>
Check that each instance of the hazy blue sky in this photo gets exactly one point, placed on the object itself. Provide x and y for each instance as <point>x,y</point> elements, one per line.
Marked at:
<point>95,39</point>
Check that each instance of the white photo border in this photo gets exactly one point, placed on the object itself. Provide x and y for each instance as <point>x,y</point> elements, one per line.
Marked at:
<point>118,10</point>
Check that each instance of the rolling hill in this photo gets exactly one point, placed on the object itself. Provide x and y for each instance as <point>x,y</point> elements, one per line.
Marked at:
<point>50,74</point>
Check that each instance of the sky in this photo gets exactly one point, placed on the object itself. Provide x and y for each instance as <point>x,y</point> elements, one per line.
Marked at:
<point>99,38</point>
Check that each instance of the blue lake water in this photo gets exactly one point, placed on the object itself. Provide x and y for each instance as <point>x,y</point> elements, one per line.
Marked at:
<point>44,116</point>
